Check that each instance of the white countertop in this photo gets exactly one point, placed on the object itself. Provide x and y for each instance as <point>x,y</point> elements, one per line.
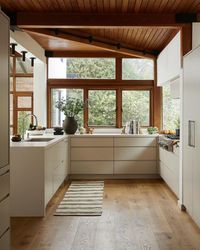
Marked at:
<point>114,135</point>
<point>56,139</point>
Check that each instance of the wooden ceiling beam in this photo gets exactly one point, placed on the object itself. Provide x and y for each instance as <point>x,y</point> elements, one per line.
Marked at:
<point>66,20</point>
<point>106,45</point>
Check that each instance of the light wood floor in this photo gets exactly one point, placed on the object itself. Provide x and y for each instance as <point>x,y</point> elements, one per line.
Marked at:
<point>136,215</point>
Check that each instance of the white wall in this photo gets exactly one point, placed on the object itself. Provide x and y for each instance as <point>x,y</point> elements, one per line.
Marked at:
<point>57,68</point>
<point>29,44</point>
<point>40,92</point>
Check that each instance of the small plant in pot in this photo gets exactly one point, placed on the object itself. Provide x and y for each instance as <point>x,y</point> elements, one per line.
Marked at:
<point>71,107</point>
<point>177,125</point>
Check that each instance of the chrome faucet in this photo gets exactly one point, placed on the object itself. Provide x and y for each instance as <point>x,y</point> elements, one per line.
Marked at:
<point>23,127</point>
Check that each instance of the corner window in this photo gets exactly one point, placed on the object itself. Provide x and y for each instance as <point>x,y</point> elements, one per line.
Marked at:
<point>136,106</point>
<point>82,68</point>
<point>137,69</point>
<point>102,108</point>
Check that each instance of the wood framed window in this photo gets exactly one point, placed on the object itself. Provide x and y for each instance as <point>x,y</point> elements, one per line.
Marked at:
<point>21,93</point>
<point>116,91</point>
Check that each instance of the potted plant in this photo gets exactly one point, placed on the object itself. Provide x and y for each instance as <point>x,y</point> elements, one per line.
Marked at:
<point>70,107</point>
<point>177,125</point>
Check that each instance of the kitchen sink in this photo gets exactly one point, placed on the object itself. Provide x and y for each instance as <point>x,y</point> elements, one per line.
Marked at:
<point>38,139</point>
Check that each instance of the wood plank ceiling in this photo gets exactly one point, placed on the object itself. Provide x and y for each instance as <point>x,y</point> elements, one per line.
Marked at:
<point>151,39</point>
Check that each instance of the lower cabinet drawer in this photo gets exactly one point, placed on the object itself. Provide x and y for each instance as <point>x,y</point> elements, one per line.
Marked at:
<point>4,184</point>
<point>92,154</point>
<point>135,167</point>
<point>4,215</point>
<point>135,153</point>
<point>91,167</point>
<point>5,241</point>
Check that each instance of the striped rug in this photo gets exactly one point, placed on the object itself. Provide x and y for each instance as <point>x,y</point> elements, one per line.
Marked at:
<point>83,198</point>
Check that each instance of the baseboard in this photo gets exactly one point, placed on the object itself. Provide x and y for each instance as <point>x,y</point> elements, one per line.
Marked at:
<point>113,177</point>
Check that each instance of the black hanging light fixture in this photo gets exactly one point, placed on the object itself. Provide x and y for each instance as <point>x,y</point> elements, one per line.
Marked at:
<point>13,45</point>
<point>24,55</point>
<point>32,61</point>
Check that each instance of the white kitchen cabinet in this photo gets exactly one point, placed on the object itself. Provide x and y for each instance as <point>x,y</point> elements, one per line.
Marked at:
<point>169,61</point>
<point>91,155</point>
<point>36,174</point>
<point>135,155</point>
<point>169,169</point>
<point>113,155</point>
<point>191,134</point>
<point>4,132</point>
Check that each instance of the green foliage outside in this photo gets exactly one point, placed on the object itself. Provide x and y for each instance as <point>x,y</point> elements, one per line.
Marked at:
<point>137,69</point>
<point>171,110</point>
<point>91,68</point>
<point>102,108</point>
<point>136,106</point>
<point>27,121</point>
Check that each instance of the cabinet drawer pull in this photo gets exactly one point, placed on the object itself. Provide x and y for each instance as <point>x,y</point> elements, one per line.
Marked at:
<point>5,173</point>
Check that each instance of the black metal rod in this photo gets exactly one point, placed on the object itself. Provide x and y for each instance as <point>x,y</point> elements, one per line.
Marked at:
<point>32,61</point>
<point>13,45</point>
<point>24,55</point>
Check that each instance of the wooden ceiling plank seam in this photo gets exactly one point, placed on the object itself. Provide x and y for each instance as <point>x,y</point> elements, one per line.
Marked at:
<point>125,6</point>
<point>147,35</point>
<point>100,6</point>
<point>137,38</point>
<point>184,7</point>
<point>144,6</point>
<point>74,4</point>
<point>118,6</point>
<point>93,4</point>
<point>129,34</point>
<point>175,6</point>
<point>163,33</point>
<point>155,39</point>
<point>131,6</point>
<point>112,6</point>
<point>196,6</point>
<point>163,4</point>
<point>141,37</point>
<point>137,6</point>
<point>153,33</point>
<point>87,6</point>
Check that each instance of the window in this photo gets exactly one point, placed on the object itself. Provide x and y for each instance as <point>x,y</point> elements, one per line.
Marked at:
<point>102,107</point>
<point>136,106</point>
<point>137,69</point>
<point>57,116</point>
<point>82,68</point>
<point>21,93</point>
<point>171,110</point>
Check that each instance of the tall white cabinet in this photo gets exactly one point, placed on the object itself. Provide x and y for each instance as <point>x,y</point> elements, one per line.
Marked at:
<point>4,133</point>
<point>191,134</point>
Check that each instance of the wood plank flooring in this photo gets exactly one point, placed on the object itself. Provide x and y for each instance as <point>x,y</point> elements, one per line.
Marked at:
<point>140,215</point>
